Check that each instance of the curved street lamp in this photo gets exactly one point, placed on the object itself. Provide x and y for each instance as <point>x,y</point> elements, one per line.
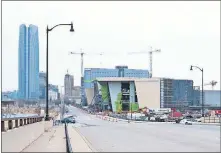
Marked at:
<point>201,69</point>
<point>47,31</point>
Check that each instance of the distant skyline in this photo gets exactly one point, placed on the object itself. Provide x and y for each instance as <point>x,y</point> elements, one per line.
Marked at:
<point>186,32</point>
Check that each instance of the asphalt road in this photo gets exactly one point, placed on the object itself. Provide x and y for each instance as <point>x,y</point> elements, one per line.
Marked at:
<point>107,136</point>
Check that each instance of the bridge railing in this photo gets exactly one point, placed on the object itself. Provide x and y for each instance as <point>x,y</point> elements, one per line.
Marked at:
<point>16,122</point>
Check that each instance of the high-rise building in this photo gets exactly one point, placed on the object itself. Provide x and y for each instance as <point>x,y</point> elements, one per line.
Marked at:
<point>22,63</point>
<point>119,71</point>
<point>33,62</point>
<point>68,85</point>
<point>28,62</point>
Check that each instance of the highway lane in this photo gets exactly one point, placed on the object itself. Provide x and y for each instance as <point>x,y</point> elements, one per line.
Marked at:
<point>107,136</point>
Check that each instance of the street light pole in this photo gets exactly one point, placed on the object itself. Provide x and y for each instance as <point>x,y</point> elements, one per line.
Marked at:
<point>131,111</point>
<point>202,94</point>
<point>47,114</point>
<point>47,32</point>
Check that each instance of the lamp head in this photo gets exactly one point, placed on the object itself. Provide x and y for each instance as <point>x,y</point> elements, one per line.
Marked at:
<point>72,29</point>
<point>191,68</point>
<point>158,50</point>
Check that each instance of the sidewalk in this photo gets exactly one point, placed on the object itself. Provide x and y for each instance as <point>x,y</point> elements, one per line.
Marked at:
<point>213,124</point>
<point>78,142</point>
<point>51,141</point>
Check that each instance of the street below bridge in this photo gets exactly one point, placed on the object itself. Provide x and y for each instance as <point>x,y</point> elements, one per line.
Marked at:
<point>106,136</point>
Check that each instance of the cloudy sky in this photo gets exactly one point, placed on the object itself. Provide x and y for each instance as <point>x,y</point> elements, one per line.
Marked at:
<point>186,32</point>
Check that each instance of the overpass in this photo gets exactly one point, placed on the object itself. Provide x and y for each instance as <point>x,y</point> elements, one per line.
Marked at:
<point>90,133</point>
<point>33,134</point>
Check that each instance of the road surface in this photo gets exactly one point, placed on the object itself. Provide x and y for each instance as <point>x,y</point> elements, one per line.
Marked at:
<point>105,136</point>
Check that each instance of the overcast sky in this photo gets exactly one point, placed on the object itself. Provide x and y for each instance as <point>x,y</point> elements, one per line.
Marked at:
<point>186,32</point>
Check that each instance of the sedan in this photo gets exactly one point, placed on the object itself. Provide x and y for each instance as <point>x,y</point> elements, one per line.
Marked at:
<point>68,120</point>
<point>186,122</point>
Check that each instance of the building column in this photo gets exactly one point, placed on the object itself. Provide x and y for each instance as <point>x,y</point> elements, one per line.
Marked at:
<point>132,91</point>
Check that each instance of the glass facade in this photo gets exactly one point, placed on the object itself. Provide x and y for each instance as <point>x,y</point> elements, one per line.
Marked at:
<point>120,71</point>
<point>212,97</point>
<point>33,62</point>
<point>183,92</point>
<point>42,84</point>
<point>22,64</point>
<point>196,96</point>
<point>176,93</point>
<point>28,62</point>
<point>12,95</point>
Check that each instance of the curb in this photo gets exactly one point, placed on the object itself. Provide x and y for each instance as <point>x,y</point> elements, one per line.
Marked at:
<point>86,141</point>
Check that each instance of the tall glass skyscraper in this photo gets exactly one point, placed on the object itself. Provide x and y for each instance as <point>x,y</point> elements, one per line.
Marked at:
<point>22,63</point>
<point>28,62</point>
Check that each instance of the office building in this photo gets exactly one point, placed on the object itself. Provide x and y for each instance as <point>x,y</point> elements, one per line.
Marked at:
<point>52,89</point>
<point>212,98</point>
<point>114,93</point>
<point>33,62</point>
<point>176,93</point>
<point>28,69</point>
<point>52,95</point>
<point>91,74</point>
<point>196,96</point>
<point>76,92</point>
<point>13,95</point>
<point>42,85</point>
<point>22,63</point>
<point>68,85</point>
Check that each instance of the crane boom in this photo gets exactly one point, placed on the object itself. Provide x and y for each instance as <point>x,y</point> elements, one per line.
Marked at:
<point>83,100</point>
<point>150,58</point>
<point>212,83</point>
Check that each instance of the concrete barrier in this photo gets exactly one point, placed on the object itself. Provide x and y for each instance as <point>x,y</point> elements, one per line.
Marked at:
<point>18,139</point>
<point>11,123</point>
<point>211,119</point>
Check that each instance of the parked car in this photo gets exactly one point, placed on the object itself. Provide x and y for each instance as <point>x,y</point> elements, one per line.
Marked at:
<point>68,120</point>
<point>186,122</point>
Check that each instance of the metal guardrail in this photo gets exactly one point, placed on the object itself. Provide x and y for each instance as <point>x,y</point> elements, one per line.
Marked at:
<point>68,144</point>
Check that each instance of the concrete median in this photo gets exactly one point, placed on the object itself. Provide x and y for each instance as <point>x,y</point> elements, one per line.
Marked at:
<point>17,139</point>
<point>79,142</point>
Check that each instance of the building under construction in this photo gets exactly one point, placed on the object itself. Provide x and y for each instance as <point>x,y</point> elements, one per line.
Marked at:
<point>110,92</point>
<point>176,93</point>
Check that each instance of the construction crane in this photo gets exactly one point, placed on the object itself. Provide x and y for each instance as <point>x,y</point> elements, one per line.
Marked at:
<point>82,70</point>
<point>82,58</point>
<point>212,83</point>
<point>150,58</point>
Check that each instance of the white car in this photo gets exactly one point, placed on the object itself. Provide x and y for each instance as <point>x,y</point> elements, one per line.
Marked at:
<point>186,122</point>
<point>198,119</point>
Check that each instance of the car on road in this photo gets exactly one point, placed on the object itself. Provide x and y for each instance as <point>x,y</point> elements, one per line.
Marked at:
<point>197,120</point>
<point>186,122</point>
<point>68,120</point>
